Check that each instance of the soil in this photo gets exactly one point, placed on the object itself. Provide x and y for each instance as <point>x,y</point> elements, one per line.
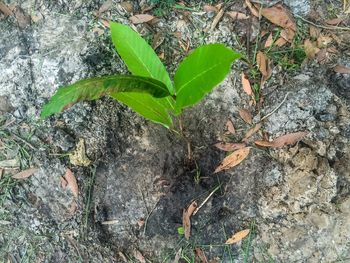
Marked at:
<point>295,200</point>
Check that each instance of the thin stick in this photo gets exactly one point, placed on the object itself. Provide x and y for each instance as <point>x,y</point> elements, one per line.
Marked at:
<point>24,141</point>
<point>206,200</point>
<point>324,27</point>
<point>148,216</point>
<point>272,112</point>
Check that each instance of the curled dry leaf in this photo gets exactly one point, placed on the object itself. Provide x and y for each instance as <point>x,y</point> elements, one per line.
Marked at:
<point>246,116</point>
<point>279,16</point>
<point>252,8</point>
<point>314,32</point>
<point>261,61</point>
<point>246,85</point>
<point>139,256</point>
<point>252,131</point>
<point>201,255</point>
<point>229,147</point>
<point>341,69</point>
<point>237,15</point>
<point>230,128</point>
<point>186,218</point>
<point>283,140</point>
<point>310,49</point>
<point>71,182</point>
<point>217,19</point>
<point>269,41</point>
<point>335,21</point>
<point>233,159</point>
<point>237,237</point>
<point>141,18</point>
<point>25,174</point>
<point>280,42</point>
<point>323,41</point>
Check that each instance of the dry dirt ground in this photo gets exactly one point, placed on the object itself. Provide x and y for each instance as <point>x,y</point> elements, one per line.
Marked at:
<point>295,200</point>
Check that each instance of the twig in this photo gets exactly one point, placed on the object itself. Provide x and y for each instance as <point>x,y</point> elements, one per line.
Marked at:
<point>24,141</point>
<point>272,112</point>
<point>148,216</point>
<point>324,27</point>
<point>206,200</point>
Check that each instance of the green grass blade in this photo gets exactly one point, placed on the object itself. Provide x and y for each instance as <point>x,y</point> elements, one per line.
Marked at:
<point>149,107</point>
<point>138,55</point>
<point>94,88</point>
<point>200,72</point>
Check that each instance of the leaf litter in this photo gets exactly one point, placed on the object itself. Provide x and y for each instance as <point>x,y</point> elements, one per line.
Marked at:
<point>237,237</point>
<point>283,140</point>
<point>25,174</point>
<point>233,159</point>
<point>71,182</point>
<point>186,218</point>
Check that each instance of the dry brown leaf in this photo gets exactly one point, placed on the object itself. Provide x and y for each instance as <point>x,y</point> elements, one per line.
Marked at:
<point>280,16</point>
<point>246,85</point>
<point>310,49</point>
<point>283,140</point>
<point>280,42</point>
<point>335,21</point>
<point>322,56</point>
<point>314,32</point>
<point>252,8</point>
<point>229,147</point>
<point>288,35</point>
<point>5,10</point>
<point>25,174</point>
<point>210,8</point>
<point>217,19</point>
<point>139,256</point>
<point>201,255</point>
<point>246,116</point>
<point>261,61</point>
<point>252,131</point>
<point>341,69</point>
<point>128,7</point>
<point>233,159</point>
<point>237,15</point>
<point>230,128</point>
<point>323,41</point>
<point>71,182</point>
<point>237,237</point>
<point>105,7</point>
<point>186,218</point>
<point>141,18</point>
<point>269,41</point>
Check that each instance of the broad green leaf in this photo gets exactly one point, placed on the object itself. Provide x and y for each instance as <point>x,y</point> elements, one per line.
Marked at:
<point>149,107</point>
<point>138,55</point>
<point>200,72</point>
<point>94,88</point>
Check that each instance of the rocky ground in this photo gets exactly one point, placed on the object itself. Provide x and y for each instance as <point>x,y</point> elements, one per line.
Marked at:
<point>136,177</point>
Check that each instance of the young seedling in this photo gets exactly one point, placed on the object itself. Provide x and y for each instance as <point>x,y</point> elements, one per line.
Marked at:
<point>150,91</point>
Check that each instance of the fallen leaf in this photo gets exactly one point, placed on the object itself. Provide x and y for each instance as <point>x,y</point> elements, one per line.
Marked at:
<point>210,8</point>
<point>233,159</point>
<point>71,182</point>
<point>269,41</point>
<point>9,163</point>
<point>186,216</point>
<point>128,7</point>
<point>105,7</point>
<point>252,8</point>
<point>25,174</point>
<point>341,69</point>
<point>141,18</point>
<point>78,156</point>
<point>322,56</point>
<point>261,61</point>
<point>229,147</point>
<point>63,182</point>
<point>246,85</point>
<point>280,16</point>
<point>323,41</point>
<point>335,21</point>
<point>217,19</point>
<point>310,49</point>
<point>246,116</point>
<point>252,131</point>
<point>283,140</point>
<point>230,128</point>
<point>314,32</point>
<point>237,237</point>
<point>139,256</point>
<point>288,35</point>
<point>5,10</point>
<point>237,15</point>
<point>201,255</point>
<point>280,42</point>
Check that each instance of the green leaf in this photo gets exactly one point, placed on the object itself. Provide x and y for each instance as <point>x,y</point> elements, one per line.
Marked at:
<point>200,72</point>
<point>138,55</point>
<point>94,88</point>
<point>180,230</point>
<point>149,107</point>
